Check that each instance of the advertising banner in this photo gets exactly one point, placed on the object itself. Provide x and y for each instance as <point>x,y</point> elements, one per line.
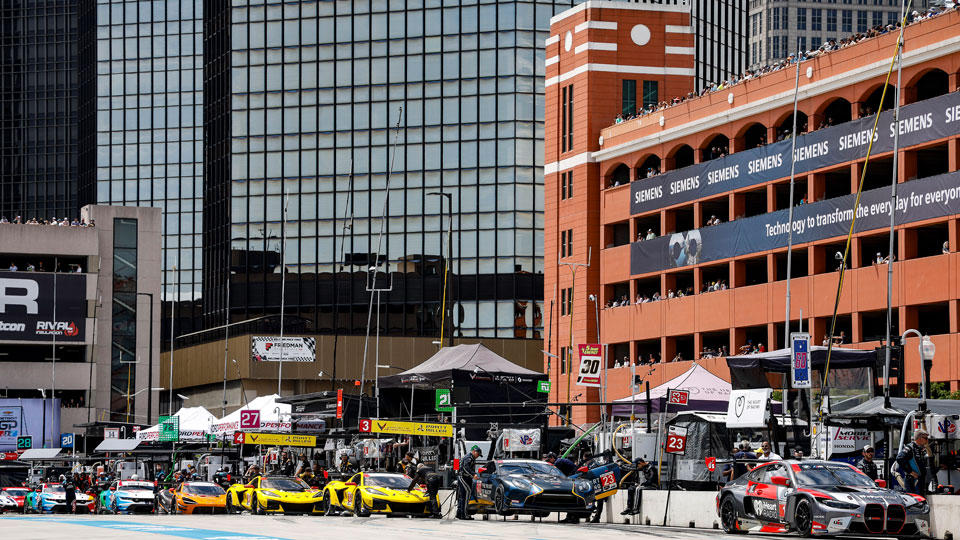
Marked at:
<point>29,417</point>
<point>282,439</point>
<point>405,428</point>
<point>748,408</point>
<point>917,200</point>
<point>521,440</point>
<point>591,362</point>
<point>921,122</point>
<point>295,349</point>
<point>27,306</point>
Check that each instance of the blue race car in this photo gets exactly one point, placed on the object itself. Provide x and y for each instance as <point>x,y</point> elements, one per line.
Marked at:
<point>604,473</point>
<point>127,496</point>
<point>51,498</point>
<point>520,486</point>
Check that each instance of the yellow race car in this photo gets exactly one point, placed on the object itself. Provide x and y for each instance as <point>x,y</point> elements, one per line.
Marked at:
<point>274,495</point>
<point>368,493</point>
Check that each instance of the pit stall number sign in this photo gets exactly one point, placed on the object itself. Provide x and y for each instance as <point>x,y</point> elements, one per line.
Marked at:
<point>591,357</point>
<point>676,440</point>
<point>800,360</point>
<point>679,397</point>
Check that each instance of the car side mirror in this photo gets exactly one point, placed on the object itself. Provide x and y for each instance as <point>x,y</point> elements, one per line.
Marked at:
<point>881,482</point>
<point>38,490</point>
<point>583,469</point>
<point>113,488</point>
<point>780,481</point>
<point>351,484</point>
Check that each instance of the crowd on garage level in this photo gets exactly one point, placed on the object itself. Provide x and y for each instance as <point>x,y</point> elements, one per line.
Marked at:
<point>825,48</point>
<point>64,222</point>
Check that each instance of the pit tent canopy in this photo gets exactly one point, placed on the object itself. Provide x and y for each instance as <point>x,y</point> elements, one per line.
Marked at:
<point>749,370</point>
<point>707,393</point>
<point>194,424</point>
<point>271,415</point>
<point>463,361</point>
<point>873,415</point>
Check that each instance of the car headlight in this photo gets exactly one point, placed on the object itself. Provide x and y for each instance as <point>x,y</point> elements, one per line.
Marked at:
<point>374,491</point>
<point>318,495</point>
<point>518,484</point>
<point>833,503</point>
<point>268,493</point>
<point>188,500</point>
<point>583,485</point>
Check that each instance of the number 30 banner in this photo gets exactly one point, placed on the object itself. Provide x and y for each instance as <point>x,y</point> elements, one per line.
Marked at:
<point>591,358</point>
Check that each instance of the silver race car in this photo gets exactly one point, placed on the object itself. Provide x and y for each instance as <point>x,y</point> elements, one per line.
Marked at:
<point>816,498</point>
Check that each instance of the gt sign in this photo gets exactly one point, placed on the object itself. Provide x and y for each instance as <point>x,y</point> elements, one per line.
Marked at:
<point>590,364</point>
<point>249,419</point>
<point>24,442</point>
<point>678,397</point>
<point>676,440</point>
<point>799,360</point>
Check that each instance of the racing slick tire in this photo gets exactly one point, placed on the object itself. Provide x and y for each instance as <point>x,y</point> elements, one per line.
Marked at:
<point>803,518</point>
<point>360,509</point>
<point>327,507</point>
<point>113,508</point>
<point>258,508</point>
<point>231,509</point>
<point>728,516</point>
<point>500,503</point>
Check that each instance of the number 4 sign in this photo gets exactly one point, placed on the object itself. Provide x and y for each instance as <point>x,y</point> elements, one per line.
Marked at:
<point>676,440</point>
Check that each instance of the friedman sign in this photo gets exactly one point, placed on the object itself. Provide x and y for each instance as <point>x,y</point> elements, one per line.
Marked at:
<point>292,349</point>
<point>42,307</point>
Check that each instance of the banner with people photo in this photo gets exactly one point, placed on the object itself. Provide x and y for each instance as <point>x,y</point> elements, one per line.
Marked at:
<point>921,122</point>
<point>917,200</point>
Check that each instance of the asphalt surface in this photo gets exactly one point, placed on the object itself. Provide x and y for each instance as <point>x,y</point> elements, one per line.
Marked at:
<point>250,527</point>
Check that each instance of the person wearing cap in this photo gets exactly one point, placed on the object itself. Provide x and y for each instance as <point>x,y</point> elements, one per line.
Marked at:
<point>912,461</point>
<point>407,465</point>
<point>866,464</point>
<point>429,478</point>
<point>467,474</point>
<point>798,453</point>
<point>566,466</point>
<point>736,469</point>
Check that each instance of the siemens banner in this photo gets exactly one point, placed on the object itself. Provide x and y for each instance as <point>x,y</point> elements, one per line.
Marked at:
<point>921,122</point>
<point>917,200</point>
<point>27,311</point>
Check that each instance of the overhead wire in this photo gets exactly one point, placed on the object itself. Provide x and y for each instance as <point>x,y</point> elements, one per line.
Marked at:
<point>824,387</point>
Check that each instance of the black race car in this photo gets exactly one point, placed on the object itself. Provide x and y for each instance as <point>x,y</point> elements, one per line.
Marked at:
<point>816,498</point>
<point>520,486</point>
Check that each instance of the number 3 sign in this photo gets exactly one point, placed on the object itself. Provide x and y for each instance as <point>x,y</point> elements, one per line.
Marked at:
<point>676,440</point>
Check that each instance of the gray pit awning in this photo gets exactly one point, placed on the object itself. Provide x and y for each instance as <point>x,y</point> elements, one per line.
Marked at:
<point>117,445</point>
<point>39,453</point>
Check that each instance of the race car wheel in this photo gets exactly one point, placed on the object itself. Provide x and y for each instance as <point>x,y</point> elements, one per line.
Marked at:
<point>260,509</point>
<point>499,502</point>
<point>360,509</point>
<point>113,507</point>
<point>728,517</point>
<point>803,519</point>
<point>327,507</point>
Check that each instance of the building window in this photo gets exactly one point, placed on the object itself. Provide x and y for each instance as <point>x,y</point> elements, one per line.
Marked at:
<point>563,359</point>
<point>628,99</point>
<point>123,338</point>
<point>802,43</point>
<point>814,43</point>
<point>831,20</point>
<point>815,20</point>
<point>877,18</point>
<point>801,18</point>
<point>566,302</point>
<point>861,21</point>
<point>847,21</point>
<point>566,243</point>
<point>776,18</point>
<point>892,17</point>
<point>566,112</point>
<point>651,94</point>
<point>785,19</point>
<point>566,185</point>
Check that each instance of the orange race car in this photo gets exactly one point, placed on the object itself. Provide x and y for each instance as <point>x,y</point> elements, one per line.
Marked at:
<point>193,498</point>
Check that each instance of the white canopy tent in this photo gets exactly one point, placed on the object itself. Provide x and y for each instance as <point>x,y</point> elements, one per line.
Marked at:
<point>194,422</point>
<point>273,416</point>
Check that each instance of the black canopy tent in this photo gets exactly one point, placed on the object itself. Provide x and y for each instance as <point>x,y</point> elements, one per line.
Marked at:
<point>874,416</point>
<point>749,371</point>
<point>476,375</point>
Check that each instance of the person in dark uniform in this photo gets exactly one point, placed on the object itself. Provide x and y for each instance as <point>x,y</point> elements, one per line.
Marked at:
<point>466,476</point>
<point>651,480</point>
<point>585,462</point>
<point>428,477</point>
<point>348,464</point>
<point>912,461</point>
<point>566,466</point>
<point>70,490</point>
<point>407,465</point>
<point>866,465</point>
<point>287,467</point>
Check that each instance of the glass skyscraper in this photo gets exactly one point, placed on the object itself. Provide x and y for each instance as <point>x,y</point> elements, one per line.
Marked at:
<point>302,104</point>
<point>141,133</point>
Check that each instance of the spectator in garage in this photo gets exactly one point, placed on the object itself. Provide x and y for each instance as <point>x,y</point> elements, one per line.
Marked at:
<point>650,234</point>
<point>13,267</point>
<point>798,453</point>
<point>946,247</point>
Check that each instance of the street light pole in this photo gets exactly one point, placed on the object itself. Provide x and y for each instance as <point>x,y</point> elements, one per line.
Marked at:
<point>149,358</point>
<point>446,267</point>
<point>927,351</point>
<point>173,310</point>
<point>573,285</point>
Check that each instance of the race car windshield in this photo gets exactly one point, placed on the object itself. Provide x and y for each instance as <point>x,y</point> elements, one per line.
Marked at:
<point>826,475</point>
<point>210,490</point>
<point>283,484</point>
<point>15,492</point>
<point>392,481</point>
<point>133,486</point>
<point>530,468</point>
<point>53,489</point>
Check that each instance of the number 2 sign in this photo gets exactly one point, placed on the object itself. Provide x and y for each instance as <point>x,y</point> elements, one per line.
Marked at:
<point>676,440</point>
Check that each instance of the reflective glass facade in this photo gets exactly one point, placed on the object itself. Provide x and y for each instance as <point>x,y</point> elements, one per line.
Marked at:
<point>302,102</point>
<point>141,123</point>
<point>38,109</point>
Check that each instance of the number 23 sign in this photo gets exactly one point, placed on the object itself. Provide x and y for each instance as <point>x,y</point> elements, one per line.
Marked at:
<point>678,397</point>
<point>676,440</point>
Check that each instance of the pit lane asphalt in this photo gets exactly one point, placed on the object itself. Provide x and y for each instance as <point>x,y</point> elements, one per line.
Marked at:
<point>249,527</point>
